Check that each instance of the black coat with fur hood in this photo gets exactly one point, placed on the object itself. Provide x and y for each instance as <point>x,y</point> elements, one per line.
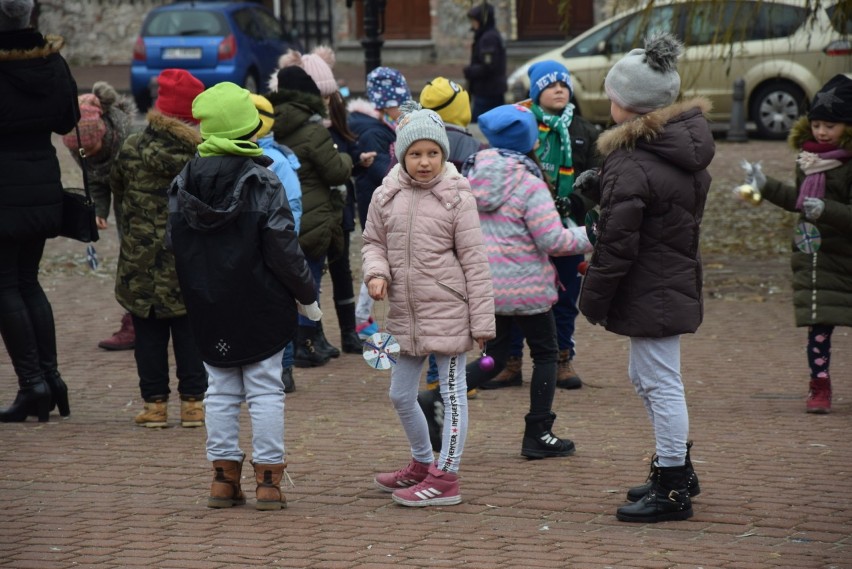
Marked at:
<point>645,277</point>
<point>38,97</point>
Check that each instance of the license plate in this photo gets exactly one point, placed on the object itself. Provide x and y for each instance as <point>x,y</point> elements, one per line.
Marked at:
<point>182,53</point>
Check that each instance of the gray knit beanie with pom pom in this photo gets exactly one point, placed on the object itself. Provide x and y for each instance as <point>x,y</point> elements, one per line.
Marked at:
<point>646,79</point>
<point>15,14</point>
<point>416,123</point>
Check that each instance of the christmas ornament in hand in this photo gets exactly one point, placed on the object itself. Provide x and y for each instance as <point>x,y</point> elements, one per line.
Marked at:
<point>486,362</point>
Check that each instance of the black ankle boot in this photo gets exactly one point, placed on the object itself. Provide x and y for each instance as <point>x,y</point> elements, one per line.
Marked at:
<point>638,492</point>
<point>540,442</point>
<point>306,354</point>
<point>287,379</point>
<point>350,342</point>
<point>33,398</point>
<point>323,346</point>
<point>58,393</point>
<point>668,499</point>
<point>432,405</point>
<point>44,328</point>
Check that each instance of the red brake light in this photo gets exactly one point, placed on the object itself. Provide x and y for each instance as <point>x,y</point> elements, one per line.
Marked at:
<point>839,47</point>
<point>139,50</point>
<point>228,47</point>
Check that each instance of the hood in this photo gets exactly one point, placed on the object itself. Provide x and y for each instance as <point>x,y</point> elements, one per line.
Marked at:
<point>293,109</point>
<point>484,14</point>
<point>444,186</point>
<point>157,151</point>
<point>209,191</point>
<point>364,107</point>
<point>678,134</point>
<point>20,52</point>
<point>495,174</point>
<point>801,133</point>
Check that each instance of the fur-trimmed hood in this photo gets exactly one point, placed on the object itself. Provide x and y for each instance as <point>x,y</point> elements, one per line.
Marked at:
<point>801,133</point>
<point>667,132</point>
<point>51,44</point>
<point>364,107</point>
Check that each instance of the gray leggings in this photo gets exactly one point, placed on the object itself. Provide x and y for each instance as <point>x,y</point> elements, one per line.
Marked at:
<point>405,380</point>
<point>654,369</point>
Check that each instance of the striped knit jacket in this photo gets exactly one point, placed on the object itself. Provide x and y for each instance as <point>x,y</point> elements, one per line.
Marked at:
<point>521,228</point>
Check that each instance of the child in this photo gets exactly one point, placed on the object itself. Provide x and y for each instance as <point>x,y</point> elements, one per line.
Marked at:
<point>565,149</point>
<point>423,248</point>
<point>822,286</point>
<point>644,277</point>
<point>146,282</point>
<point>521,229</point>
<point>244,274</point>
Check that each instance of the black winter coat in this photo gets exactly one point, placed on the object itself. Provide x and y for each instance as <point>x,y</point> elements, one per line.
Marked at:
<point>486,74</point>
<point>38,97</point>
<point>238,259</point>
<point>645,275</point>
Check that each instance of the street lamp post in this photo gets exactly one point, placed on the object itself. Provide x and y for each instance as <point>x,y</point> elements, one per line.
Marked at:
<point>374,27</point>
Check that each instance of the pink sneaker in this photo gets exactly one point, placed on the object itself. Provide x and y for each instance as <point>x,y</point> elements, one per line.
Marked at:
<point>413,473</point>
<point>438,489</point>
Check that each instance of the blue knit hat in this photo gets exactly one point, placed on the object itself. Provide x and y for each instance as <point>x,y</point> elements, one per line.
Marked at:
<point>387,88</point>
<point>513,127</point>
<point>545,73</point>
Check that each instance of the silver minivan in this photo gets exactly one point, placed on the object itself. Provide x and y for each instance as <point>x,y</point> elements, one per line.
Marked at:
<point>784,50</point>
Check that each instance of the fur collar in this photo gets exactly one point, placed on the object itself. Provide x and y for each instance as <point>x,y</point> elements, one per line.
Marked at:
<point>364,107</point>
<point>180,129</point>
<point>52,45</point>
<point>648,126</point>
<point>801,133</point>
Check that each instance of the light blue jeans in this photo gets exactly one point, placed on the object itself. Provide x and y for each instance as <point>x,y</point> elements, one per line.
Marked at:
<point>260,386</point>
<point>654,369</point>
<point>405,381</point>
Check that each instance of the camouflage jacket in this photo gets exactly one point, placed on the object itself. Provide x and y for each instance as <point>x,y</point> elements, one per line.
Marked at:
<point>146,283</point>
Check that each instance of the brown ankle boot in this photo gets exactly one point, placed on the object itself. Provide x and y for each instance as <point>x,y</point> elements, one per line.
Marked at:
<point>225,490</point>
<point>509,376</point>
<point>268,494</point>
<point>191,411</point>
<point>566,377</point>
<point>155,414</point>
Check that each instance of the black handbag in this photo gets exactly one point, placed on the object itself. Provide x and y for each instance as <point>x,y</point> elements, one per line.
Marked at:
<point>78,208</point>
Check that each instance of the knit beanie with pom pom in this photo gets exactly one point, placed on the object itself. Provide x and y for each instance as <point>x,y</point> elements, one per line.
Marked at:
<point>416,123</point>
<point>646,79</point>
<point>317,64</point>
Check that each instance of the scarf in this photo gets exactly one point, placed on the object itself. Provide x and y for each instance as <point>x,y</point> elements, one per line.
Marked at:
<point>554,151</point>
<point>215,146</point>
<point>815,160</point>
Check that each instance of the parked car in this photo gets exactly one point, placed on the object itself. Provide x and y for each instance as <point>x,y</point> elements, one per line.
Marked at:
<point>215,41</point>
<point>784,50</point>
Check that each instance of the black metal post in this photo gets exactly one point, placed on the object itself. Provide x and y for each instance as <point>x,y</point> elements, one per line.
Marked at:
<point>374,27</point>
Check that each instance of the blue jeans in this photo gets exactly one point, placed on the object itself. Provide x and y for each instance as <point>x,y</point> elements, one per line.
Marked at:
<point>316,266</point>
<point>287,357</point>
<point>564,311</point>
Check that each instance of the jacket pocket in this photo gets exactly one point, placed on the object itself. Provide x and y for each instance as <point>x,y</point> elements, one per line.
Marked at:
<point>452,291</point>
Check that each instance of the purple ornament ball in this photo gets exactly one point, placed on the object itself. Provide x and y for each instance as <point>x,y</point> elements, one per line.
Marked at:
<point>486,363</point>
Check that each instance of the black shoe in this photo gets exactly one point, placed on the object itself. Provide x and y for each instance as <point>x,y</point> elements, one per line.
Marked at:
<point>668,499</point>
<point>323,346</point>
<point>58,393</point>
<point>638,492</point>
<point>33,398</point>
<point>540,442</point>
<point>306,353</point>
<point>287,378</point>
<point>433,407</point>
<point>350,342</point>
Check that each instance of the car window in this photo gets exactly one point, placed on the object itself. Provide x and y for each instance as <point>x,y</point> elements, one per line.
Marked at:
<point>840,23</point>
<point>186,23</point>
<point>639,25</point>
<point>777,21</point>
<point>269,27</point>
<point>246,24</point>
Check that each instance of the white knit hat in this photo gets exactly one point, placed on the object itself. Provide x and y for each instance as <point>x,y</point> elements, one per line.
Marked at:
<point>15,14</point>
<point>417,123</point>
<point>646,79</point>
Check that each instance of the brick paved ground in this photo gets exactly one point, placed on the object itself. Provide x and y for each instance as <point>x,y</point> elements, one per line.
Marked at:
<point>94,491</point>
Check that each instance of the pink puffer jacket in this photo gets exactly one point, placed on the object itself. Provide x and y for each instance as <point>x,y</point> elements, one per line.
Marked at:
<point>425,240</point>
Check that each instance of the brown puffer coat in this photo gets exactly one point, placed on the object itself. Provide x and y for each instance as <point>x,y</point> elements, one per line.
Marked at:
<point>645,275</point>
<point>425,240</point>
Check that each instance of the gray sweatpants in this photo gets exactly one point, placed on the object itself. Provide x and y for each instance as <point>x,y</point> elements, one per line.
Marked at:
<point>654,369</point>
<point>452,378</point>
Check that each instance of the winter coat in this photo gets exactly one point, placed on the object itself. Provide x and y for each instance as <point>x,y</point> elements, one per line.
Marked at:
<point>38,97</point>
<point>822,281</point>
<point>486,73</point>
<point>374,135</point>
<point>644,278</point>
<point>521,229</point>
<point>285,164</point>
<point>146,282</point>
<point>298,125</point>
<point>238,258</point>
<point>425,240</point>
<point>353,149</point>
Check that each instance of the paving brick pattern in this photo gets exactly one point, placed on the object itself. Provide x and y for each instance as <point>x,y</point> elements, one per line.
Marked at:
<point>95,491</point>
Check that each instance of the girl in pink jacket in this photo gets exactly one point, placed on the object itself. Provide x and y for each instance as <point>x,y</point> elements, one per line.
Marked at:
<point>423,248</point>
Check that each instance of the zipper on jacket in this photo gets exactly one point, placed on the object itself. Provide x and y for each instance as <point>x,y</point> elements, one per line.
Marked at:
<point>412,316</point>
<point>451,290</point>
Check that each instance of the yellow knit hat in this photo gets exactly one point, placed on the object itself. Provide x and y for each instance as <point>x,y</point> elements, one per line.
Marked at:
<point>448,99</point>
<point>266,112</point>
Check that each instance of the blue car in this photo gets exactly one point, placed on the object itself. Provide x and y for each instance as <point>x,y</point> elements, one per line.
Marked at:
<point>215,41</point>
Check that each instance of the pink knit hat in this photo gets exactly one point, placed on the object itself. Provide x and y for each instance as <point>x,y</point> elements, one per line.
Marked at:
<point>92,126</point>
<point>317,64</point>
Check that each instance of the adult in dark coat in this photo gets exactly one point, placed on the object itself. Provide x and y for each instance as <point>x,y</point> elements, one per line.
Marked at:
<point>38,97</point>
<point>486,74</point>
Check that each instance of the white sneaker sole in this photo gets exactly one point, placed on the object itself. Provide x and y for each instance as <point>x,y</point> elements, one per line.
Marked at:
<point>449,501</point>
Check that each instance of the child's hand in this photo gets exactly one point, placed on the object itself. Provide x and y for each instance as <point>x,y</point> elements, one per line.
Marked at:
<point>481,342</point>
<point>754,175</point>
<point>377,288</point>
<point>813,208</point>
<point>367,159</point>
<point>100,222</point>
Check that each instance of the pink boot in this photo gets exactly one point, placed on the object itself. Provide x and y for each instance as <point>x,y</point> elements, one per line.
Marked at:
<point>819,396</point>
<point>124,339</point>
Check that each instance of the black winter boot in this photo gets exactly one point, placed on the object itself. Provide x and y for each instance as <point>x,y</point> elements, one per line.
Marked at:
<point>322,344</point>
<point>350,342</point>
<point>539,440</point>
<point>432,404</point>
<point>33,396</point>
<point>41,316</point>
<point>306,354</point>
<point>287,379</point>
<point>638,492</point>
<point>668,499</point>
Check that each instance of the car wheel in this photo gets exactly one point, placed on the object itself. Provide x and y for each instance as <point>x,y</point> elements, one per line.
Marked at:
<point>251,83</point>
<point>775,107</point>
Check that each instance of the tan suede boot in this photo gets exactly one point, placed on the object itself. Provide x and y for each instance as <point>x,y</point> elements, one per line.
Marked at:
<point>509,376</point>
<point>225,490</point>
<point>268,477</point>
<point>191,411</point>
<point>566,377</point>
<point>155,414</point>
